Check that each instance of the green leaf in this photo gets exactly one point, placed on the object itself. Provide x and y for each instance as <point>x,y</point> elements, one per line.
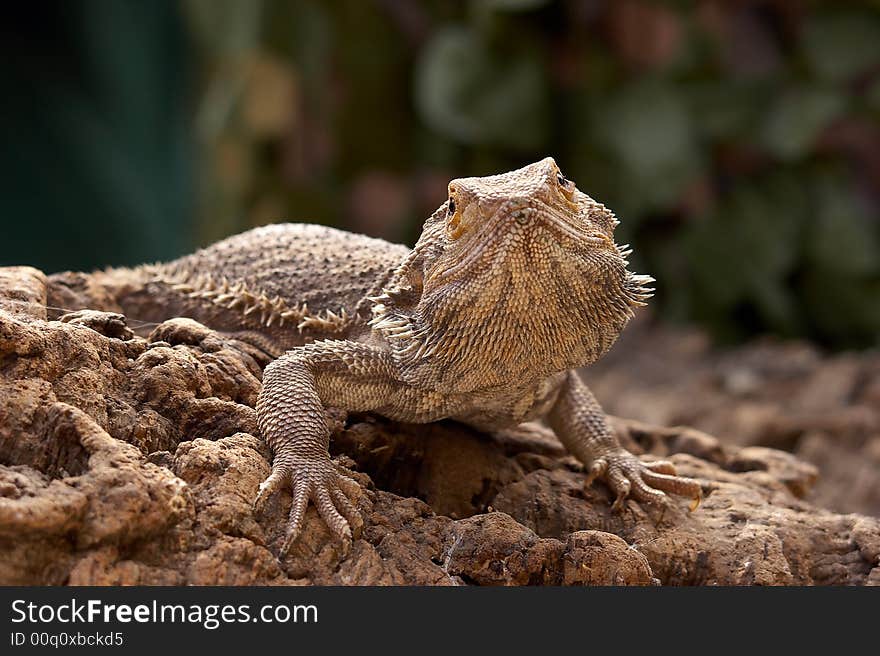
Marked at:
<point>225,26</point>
<point>647,130</point>
<point>798,117</point>
<point>470,93</point>
<point>725,108</point>
<point>743,252</point>
<point>840,46</point>
<point>842,310</point>
<point>842,236</point>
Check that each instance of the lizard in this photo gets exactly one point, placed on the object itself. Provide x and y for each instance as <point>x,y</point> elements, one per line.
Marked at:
<point>515,282</point>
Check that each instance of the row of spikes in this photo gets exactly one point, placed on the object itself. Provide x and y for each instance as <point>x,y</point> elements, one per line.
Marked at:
<point>638,291</point>
<point>407,340</point>
<point>394,326</point>
<point>267,311</point>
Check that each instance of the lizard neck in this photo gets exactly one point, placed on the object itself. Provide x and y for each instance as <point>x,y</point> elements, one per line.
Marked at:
<point>495,332</point>
<point>507,316</point>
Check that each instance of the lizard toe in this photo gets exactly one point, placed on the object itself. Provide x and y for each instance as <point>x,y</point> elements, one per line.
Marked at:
<point>277,479</point>
<point>641,491</point>
<point>318,482</point>
<point>621,485</point>
<point>348,485</point>
<point>680,485</point>
<point>348,510</point>
<point>597,470</point>
<point>297,516</point>
<point>648,482</point>
<point>661,467</point>
<point>334,520</point>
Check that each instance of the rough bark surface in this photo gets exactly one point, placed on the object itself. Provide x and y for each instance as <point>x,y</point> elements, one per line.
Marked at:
<point>131,460</point>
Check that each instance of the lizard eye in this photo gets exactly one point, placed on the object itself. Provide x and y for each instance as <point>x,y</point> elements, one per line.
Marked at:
<point>562,180</point>
<point>454,227</point>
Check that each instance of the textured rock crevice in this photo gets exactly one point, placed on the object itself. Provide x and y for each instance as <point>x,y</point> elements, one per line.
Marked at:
<point>134,460</point>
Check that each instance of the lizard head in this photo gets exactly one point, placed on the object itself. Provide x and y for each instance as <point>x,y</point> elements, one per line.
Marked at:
<point>523,262</point>
<point>530,217</point>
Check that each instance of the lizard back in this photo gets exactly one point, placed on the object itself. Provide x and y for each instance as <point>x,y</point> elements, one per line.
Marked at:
<point>290,283</point>
<point>325,268</point>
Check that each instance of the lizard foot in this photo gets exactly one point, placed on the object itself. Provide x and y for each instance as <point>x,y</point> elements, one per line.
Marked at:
<point>645,481</point>
<point>329,489</point>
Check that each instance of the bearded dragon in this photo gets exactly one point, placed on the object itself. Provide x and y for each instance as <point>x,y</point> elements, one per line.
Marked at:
<point>515,282</point>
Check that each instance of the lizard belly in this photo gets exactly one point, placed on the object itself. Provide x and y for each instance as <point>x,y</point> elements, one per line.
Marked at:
<point>486,411</point>
<point>496,412</point>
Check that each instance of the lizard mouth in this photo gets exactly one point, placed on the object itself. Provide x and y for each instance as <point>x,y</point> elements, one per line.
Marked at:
<point>567,226</point>
<point>484,247</point>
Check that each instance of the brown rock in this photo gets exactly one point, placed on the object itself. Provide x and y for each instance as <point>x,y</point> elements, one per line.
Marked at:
<point>132,460</point>
<point>823,408</point>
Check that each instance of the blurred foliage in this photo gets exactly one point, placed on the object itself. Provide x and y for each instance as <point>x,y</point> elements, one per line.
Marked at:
<point>738,141</point>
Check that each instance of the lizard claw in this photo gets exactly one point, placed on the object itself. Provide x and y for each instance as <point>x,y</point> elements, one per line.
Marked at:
<point>628,476</point>
<point>330,491</point>
<point>268,487</point>
<point>597,470</point>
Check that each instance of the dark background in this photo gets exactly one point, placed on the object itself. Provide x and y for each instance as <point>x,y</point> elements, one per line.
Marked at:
<point>738,141</point>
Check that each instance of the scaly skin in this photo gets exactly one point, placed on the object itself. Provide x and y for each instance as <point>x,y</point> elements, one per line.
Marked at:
<point>515,281</point>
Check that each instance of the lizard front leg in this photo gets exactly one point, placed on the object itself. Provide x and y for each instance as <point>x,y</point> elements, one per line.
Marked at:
<point>290,411</point>
<point>582,427</point>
